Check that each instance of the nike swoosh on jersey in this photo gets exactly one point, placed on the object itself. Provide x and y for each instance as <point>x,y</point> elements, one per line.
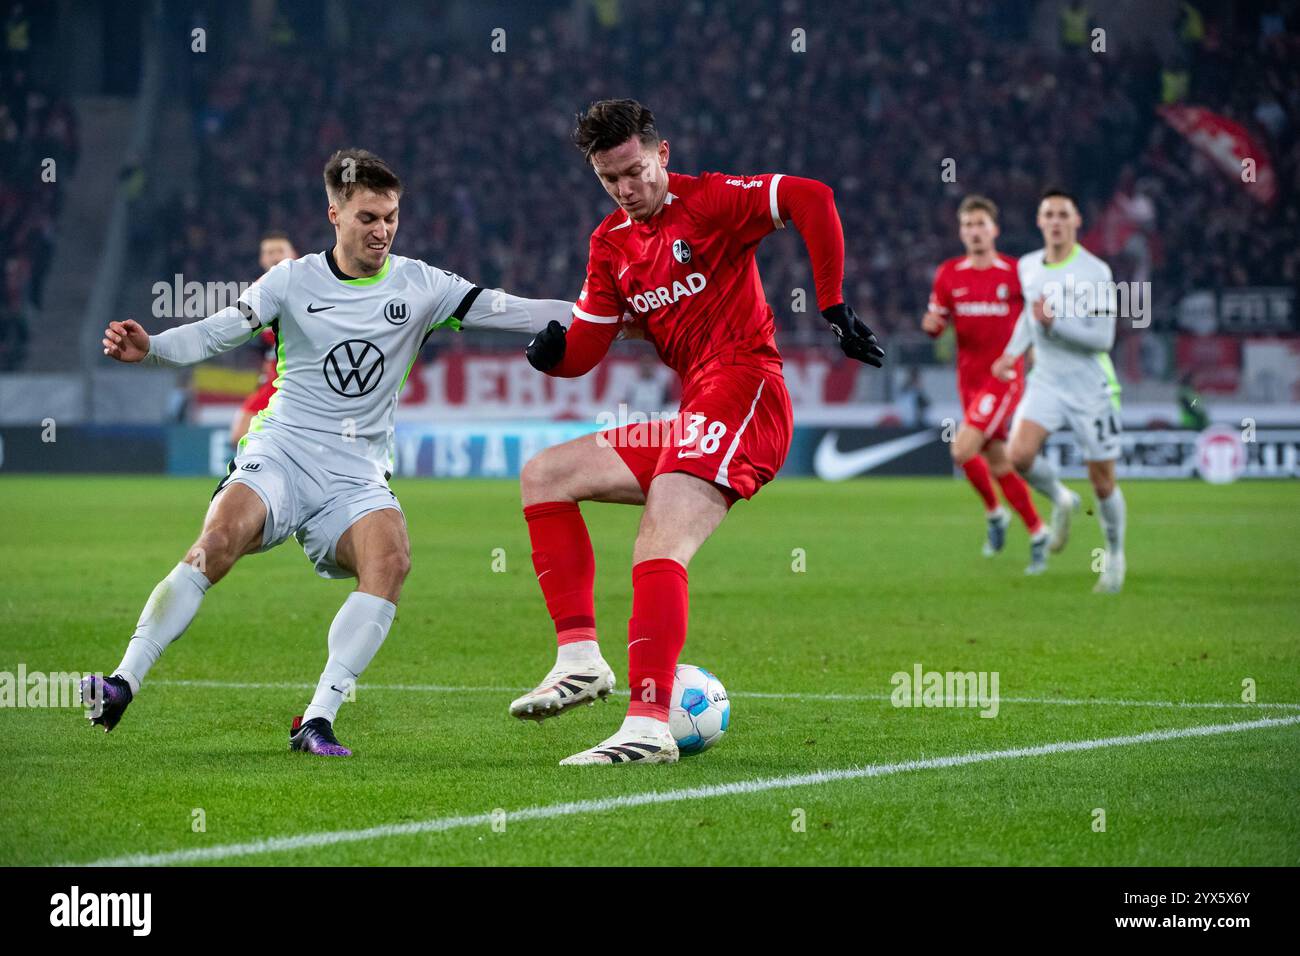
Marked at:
<point>831,464</point>
<point>323,308</point>
<point>625,268</point>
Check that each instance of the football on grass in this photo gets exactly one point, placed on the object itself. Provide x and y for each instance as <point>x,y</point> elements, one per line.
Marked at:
<point>700,711</point>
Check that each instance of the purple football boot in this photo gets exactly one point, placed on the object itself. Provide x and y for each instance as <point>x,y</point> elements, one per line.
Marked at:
<point>106,698</point>
<point>316,736</point>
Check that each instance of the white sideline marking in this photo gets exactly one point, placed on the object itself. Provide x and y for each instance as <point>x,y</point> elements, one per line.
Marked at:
<point>440,824</point>
<point>759,695</point>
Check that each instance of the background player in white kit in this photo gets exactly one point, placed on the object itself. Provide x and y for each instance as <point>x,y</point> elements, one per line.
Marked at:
<point>1069,319</point>
<point>315,464</point>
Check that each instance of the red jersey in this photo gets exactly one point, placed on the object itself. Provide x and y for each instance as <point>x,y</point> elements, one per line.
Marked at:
<point>688,275</point>
<point>984,305</point>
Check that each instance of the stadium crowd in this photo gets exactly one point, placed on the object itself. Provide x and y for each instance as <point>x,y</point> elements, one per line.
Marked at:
<point>876,104</point>
<point>873,100</point>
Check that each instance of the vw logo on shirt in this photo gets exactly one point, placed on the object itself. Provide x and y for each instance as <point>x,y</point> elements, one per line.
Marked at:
<point>354,368</point>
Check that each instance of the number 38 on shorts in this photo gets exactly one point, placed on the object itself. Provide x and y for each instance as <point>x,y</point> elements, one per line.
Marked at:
<point>733,430</point>
<point>698,436</point>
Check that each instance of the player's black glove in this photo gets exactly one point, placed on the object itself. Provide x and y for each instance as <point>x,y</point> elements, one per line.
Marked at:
<point>857,341</point>
<point>546,350</point>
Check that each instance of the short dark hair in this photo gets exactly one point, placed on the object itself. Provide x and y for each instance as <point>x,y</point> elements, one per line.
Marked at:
<point>609,123</point>
<point>274,234</point>
<point>351,169</point>
<point>977,203</point>
<point>1054,191</point>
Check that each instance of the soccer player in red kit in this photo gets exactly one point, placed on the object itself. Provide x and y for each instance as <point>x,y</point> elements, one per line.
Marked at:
<point>274,247</point>
<point>980,294</point>
<point>678,256</point>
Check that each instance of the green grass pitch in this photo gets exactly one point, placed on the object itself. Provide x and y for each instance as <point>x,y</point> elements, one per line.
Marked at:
<point>893,577</point>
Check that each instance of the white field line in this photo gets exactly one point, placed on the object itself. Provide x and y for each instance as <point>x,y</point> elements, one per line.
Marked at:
<point>758,695</point>
<point>302,841</point>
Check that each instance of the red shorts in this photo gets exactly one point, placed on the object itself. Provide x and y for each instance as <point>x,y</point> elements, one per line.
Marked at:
<point>988,407</point>
<point>259,399</point>
<point>733,429</point>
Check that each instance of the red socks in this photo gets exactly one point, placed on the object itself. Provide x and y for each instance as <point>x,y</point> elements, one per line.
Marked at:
<point>1013,487</point>
<point>655,635</point>
<point>977,472</point>
<point>565,566</point>
<point>566,571</point>
<point>1016,492</point>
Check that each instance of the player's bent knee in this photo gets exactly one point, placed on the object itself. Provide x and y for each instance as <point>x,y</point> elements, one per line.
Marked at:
<point>215,552</point>
<point>394,566</point>
<point>541,478</point>
<point>385,574</point>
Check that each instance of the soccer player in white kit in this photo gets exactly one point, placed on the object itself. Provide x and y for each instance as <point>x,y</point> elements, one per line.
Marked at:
<point>315,464</point>
<point>1069,319</point>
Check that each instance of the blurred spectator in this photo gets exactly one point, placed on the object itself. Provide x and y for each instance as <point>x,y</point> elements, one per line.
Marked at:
<point>38,151</point>
<point>913,400</point>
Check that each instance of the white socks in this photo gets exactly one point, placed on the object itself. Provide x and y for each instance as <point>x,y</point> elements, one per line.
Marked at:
<point>166,615</point>
<point>1042,478</point>
<point>358,630</point>
<point>643,726</point>
<point>1111,512</point>
<point>576,652</point>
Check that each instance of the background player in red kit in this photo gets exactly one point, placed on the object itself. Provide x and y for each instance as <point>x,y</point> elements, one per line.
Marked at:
<point>678,255</point>
<point>980,294</point>
<point>274,247</point>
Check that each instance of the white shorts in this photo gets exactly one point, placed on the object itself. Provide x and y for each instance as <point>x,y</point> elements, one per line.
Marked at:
<point>1095,420</point>
<point>305,501</point>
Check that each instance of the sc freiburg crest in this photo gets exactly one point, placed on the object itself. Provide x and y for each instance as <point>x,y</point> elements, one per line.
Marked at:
<point>681,251</point>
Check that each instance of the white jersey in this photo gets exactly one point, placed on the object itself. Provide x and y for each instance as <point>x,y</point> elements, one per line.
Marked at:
<point>1071,356</point>
<point>345,347</point>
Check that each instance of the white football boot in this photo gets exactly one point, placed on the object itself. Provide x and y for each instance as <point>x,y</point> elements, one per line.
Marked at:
<point>1062,512</point>
<point>567,685</point>
<point>629,747</point>
<point>1037,553</point>
<point>1111,580</point>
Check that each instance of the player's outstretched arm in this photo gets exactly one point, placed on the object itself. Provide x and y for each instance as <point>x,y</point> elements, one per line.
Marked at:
<point>196,341</point>
<point>127,341</point>
<point>810,205</point>
<point>220,332</point>
<point>503,312</point>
